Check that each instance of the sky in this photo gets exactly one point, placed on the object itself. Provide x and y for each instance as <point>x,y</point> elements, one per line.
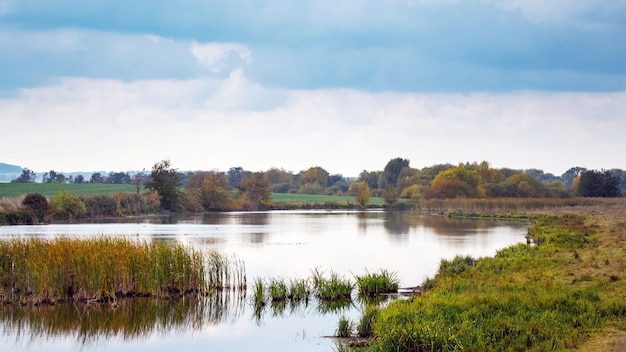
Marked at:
<point>345,84</point>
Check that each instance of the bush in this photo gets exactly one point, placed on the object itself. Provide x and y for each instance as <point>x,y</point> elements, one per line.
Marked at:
<point>19,217</point>
<point>100,206</point>
<point>67,206</point>
<point>37,203</point>
<point>457,265</point>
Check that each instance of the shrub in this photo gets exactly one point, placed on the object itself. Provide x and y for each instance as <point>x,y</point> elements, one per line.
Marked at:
<point>67,206</point>
<point>37,203</point>
<point>100,206</point>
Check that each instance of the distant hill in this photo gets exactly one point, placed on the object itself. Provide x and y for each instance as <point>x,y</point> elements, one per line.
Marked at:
<point>9,172</point>
<point>10,169</point>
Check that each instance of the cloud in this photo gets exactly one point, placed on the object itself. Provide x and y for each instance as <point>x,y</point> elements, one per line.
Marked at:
<point>399,45</point>
<point>95,124</point>
<point>220,56</point>
<point>597,15</point>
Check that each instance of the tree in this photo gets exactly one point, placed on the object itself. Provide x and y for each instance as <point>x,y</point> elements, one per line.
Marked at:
<point>527,186</point>
<point>257,190</point>
<point>66,205</point>
<point>488,174</point>
<point>211,189</point>
<point>392,171</point>
<point>455,182</point>
<point>370,177</point>
<point>362,193</point>
<point>79,179</point>
<point>235,175</point>
<point>391,196</point>
<point>313,181</point>
<point>27,176</point>
<point>119,178</point>
<point>53,177</point>
<point>165,181</point>
<point>97,178</point>
<point>598,184</point>
<point>571,174</point>
<point>37,203</point>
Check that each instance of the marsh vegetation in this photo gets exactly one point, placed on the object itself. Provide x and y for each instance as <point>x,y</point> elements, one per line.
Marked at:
<point>36,271</point>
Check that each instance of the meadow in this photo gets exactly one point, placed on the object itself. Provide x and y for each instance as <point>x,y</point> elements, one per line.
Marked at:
<point>49,190</point>
<point>563,291</point>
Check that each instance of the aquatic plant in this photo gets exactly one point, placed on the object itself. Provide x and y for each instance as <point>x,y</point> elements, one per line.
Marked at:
<point>365,326</point>
<point>333,287</point>
<point>258,292</point>
<point>344,327</point>
<point>299,289</point>
<point>34,270</point>
<point>372,284</point>
<point>277,290</point>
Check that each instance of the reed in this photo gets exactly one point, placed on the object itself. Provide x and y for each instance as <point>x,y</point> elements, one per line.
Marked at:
<point>100,269</point>
<point>344,327</point>
<point>365,326</point>
<point>372,284</point>
<point>258,292</point>
<point>333,287</point>
<point>299,290</point>
<point>277,290</point>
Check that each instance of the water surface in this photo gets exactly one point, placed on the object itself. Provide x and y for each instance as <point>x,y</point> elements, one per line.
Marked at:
<point>285,244</point>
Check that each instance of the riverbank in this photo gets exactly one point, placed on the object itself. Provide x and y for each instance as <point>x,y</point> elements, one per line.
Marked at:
<point>563,291</point>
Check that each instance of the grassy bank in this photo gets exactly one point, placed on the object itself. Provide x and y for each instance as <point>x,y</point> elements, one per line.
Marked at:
<point>567,291</point>
<point>101,269</point>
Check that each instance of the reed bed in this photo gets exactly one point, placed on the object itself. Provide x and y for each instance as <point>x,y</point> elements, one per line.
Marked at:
<point>503,205</point>
<point>34,270</point>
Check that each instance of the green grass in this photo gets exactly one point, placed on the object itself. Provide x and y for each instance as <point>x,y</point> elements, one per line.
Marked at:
<point>49,190</point>
<point>331,288</point>
<point>372,284</point>
<point>344,327</point>
<point>311,199</point>
<point>548,296</point>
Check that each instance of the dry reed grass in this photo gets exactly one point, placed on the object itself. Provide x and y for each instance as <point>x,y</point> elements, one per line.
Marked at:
<point>36,271</point>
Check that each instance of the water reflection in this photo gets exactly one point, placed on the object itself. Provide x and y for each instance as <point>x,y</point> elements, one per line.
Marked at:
<point>400,223</point>
<point>134,318</point>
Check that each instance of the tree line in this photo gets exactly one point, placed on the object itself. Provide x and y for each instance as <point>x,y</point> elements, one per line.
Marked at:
<point>397,182</point>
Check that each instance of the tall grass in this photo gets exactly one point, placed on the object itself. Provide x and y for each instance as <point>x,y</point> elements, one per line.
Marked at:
<point>372,284</point>
<point>476,206</point>
<point>34,270</point>
<point>332,287</point>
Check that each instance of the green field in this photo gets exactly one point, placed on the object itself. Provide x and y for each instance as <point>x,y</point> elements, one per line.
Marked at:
<point>10,190</point>
<point>317,199</point>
